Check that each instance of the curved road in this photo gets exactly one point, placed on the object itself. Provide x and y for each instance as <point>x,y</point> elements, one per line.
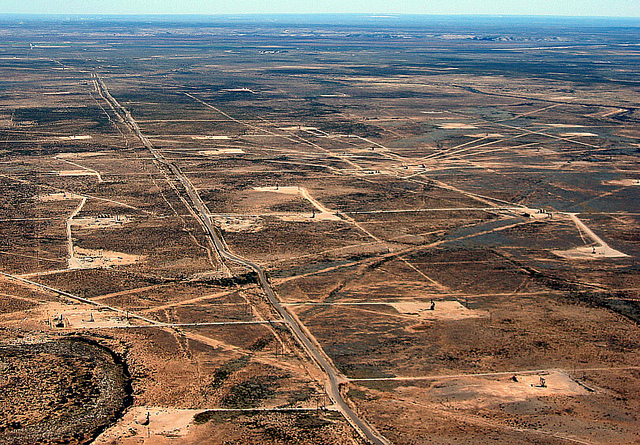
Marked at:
<point>312,349</point>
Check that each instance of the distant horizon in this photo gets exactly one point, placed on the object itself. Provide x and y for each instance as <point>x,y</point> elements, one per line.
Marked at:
<point>317,18</point>
<point>522,8</point>
<point>292,14</point>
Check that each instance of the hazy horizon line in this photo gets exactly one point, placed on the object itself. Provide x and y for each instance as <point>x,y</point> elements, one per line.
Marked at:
<point>285,14</point>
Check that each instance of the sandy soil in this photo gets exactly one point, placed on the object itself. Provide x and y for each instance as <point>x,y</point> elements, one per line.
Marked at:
<point>576,134</point>
<point>238,90</point>
<point>590,253</point>
<point>58,197</point>
<point>75,138</point>
<point>456,126</point>
<point>79,316</point>
<point>534,213</point>
<point>299,127</point>
<point>221,151</point>
<point>606,113</point>
<point>202,138</point>
<point>471,392</point>
<point>623,182</point>
<point>485,135</point>
<point>86,154</point>
<point>164,424</point>
<point>92,259</point>
<point>599,249</point>
<point>306,217</point>
<point>323,214</point>
<point>100,223</point>
<point>444,310</point>
<point>76,173</point>
<point>564,125</point>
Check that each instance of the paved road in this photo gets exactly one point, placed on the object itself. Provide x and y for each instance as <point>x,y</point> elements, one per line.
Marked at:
<point>312,349</point>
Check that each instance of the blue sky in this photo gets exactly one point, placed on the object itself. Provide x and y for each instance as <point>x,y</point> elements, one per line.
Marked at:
<point>614,8</point>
